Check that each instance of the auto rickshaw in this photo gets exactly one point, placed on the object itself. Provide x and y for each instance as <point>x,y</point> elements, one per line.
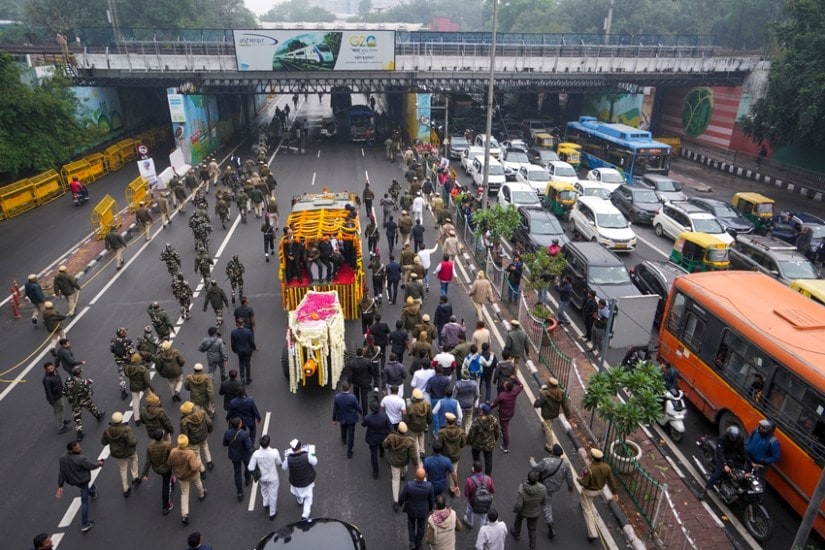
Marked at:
<point>543,140</point>
<point>570,153</point>
<point>559,198</point>
<point>756,208</point>
<point>697,251</point>
<point>812,288</point>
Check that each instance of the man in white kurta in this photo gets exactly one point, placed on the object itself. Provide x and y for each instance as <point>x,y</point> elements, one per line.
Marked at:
<point>267,460</point>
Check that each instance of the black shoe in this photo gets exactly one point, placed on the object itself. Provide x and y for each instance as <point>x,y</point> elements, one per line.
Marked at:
<point>87,527</point>
<point>63,430</point>
<point>138,422</point>
<point>551,531</point>
<point>702,494</point>
<point>79,435</point>
<point>53,352</point>
<point>204,496</point>
<point>395,507</point>
<point>248,481</point>
<point>349,454</point>
<point>136,481</point>
<point>240,497</point>
<point>184,520</point>
<point>93,494</point>
<point>100,417</point>
<point>203,476</point>
<point>210,466</point>
<point>34,321</point>
<point>66,422</point>
<point>123,394</point>
<point>375,475</point>
<point>273,516</point>
<point>513,533</point>
<point>248,381</point>
<point>176,398</point>
<point>592,539</point>
<point>233,296</point>
<point>127,492</point>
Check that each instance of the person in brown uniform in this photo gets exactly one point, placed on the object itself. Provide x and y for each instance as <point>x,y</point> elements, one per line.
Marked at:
<point>593,479</point>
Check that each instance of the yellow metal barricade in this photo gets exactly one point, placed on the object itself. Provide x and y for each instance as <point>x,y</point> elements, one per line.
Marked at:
<point>114,159</point>
<point>128,150</point>
<point>47,186</point>
<point>137,190</point>
<point>17,198</point>
<point>105,216</point>
<point>79,168</point>
<point>674,142</point>
<point>97,167</point>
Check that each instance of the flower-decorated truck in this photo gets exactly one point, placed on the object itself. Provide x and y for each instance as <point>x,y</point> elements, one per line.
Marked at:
<point>315,341</point>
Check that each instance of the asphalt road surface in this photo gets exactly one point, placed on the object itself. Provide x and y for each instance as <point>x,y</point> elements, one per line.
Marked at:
<point>110,299</point>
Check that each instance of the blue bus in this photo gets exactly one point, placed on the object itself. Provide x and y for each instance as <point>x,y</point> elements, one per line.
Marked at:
<point>630,150</point>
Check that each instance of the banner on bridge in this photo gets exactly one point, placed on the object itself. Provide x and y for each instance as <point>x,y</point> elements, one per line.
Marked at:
<point>298,50</point>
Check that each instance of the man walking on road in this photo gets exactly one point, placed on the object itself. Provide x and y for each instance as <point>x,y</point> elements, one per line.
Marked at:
<point>122,446</point>
<point>144,218</point>
<point>417,499</point>
<point>196,425</point>
<point>168,364</point>
<point>516,343</point>
<point>216,297</point>
<point>244,407</point>
<point>76,470</point>
<point>529,500</point>
<point>215,349</point>
<point>157,456</point>
<point>53,321</point>
<point>160,320</point>
<point>245,313</point>
<point>122,348</point>
<point>201,389</point>
<point>65,357</point>
<point>553,471</point>
<point>243,344</point>
<point>66,285</point>
<point>482,438</point>
<point>78,392</point>
<point>345,412</point>
<point>300,464</point>
<point>186,467</point>
<point>480,291</point>
<point>53,385</point>
<point>267,460</point>
<point>230,389</point>
<point>378,428</point>
<point>182,291</point>
<point>34,292</point>
<point>476,510</point>
<point>493,535</point>
<point>593,479</point>
<point>116,244</point>
<point>565,290</point>
<point>239,446</point>
<point>506,403</point>
<point>552,401</point>
<point>400,454</point>
<point>140,381</point>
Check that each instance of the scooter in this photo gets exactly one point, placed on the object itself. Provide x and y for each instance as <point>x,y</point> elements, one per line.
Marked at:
<point>79,198</point>
<point>740,485</point>
<point>634,355</point>
<point>675,412</point>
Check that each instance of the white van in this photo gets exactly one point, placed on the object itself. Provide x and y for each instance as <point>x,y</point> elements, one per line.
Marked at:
<point>597,220</point>
<point>496,177</point>
<point>495,148</point>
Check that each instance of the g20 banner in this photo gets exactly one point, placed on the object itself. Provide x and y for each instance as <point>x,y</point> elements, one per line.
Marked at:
<point>294,50</point>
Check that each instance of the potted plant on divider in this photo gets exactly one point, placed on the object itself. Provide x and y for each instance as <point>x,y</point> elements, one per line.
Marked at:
<point>501,222</point>
<point>544,271</point>
<point>643,386</point>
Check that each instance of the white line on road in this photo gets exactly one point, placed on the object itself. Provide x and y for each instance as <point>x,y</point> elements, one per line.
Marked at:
<point>56,538</point>
<point>319,154</point>
<point>314,175</point>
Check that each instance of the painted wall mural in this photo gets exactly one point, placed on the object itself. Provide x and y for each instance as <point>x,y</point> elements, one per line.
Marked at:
<point>704,114</point>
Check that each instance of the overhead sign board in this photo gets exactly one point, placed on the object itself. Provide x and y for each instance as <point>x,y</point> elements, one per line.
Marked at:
<point>322,50</point>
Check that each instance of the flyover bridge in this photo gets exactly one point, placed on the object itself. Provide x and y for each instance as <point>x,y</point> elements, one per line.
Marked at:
<point>204,61</point>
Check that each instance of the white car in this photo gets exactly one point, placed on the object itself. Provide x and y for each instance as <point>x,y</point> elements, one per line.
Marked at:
<point>561,171</point>
<point>515,144</point>
<point>597,220</point>
<point>512,161</point>
<point>609,177</point>
<point>533,126</point>
<point>495,175</point>
<point>467,157</point>
<point>588,188</point>
<point>534,176</point>
<point>518,194</point>
<point>495,148</point>
<point>677,217</point>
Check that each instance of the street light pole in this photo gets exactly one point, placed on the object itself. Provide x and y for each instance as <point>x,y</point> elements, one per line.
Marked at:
<point>489,126</point>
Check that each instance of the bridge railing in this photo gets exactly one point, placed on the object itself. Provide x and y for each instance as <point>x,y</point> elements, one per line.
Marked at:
<point>462,49</point>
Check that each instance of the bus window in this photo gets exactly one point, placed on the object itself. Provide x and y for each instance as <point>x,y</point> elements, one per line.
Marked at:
<point>677,310</point>
<point>694,332</point>
<point>784,396</point>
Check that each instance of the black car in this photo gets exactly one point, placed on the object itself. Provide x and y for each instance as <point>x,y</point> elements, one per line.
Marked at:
<point>728,217</point>
<point>593,267</point>
<point>656,277</point>
<point>541,156</point>
<point>314,534</point>
<point>638,204</point>
<point>538,228</point>
<point>788,225</point>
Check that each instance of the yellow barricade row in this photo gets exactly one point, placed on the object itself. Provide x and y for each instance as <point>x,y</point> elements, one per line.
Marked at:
<point>128,150</point>
<point>47,186</point>
<point>137,190</point>
<point>97,167</point>
<point>79,168</point>
<point>105,216</point>
<point>17,198</point>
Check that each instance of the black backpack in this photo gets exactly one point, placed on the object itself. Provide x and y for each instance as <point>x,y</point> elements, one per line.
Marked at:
<point>483,498</point>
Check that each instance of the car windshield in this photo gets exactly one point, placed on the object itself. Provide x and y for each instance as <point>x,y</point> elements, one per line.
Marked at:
<point>458,142</point>
<point>724,211</point>
<point>494,144</point>
<point>496,170</point>
<point>798,269</point>
<point>612,177</point>
<point>538,175</point>
<point>668,185</point>
<point>546,227</point>
<point>611,221</point>
<point>547,156</point>
<point>565,171</point>
<point>817,231</point>
<point>643,195</point>
<point>474,154</point>
<point>593,191</point>
<point>516,156</point>
<point>616,275</point>
<point>707,226</point>
<point>524,197</point>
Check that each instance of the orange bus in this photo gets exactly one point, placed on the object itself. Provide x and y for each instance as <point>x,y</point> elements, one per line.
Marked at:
<point>746,348</point>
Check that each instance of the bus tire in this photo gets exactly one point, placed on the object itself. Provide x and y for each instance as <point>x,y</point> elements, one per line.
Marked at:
<point>728,419</point>
<point>658,230</point>
<point>285,362</point>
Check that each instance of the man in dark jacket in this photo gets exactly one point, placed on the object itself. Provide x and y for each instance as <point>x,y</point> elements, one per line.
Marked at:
<point>417,499</point>
<point>529,500</point>
<point>393,279</point>
<point>216,297</point>
<point>244,407</point>
<point>76,470</point>
<point>66,285</point>
<point>552,401</point>
<point>378,428</point>
<point>230,389</point>
<point>240,450</point>
<point>139,382</point>
<point>243,344</point>
<point>380,332</point>
<point>157,455</point>
<point>300,464</point>
<point>362,376</point>
<point>65,356</point>
<point>122,446</point>
<point>345,412</point>
<point>53,385</point>
<point>442,315</point>
<point>215,349</point>
<point>399,340</point>
<point>34,292</point>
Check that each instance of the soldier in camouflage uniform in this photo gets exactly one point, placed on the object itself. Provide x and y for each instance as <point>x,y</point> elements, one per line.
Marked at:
<point>217,298</point>
<point>234,271</point>
<point>222,210</point>
<point>160,320</point>
<point>183,292</point>
<point>147,345</point>
<point>200,201</point>
<point>242,199</point>
<point>202,231</point>
<point>203,265</point>
<point>78,392</point>
<point>171,258</point>
<point>122,348</point>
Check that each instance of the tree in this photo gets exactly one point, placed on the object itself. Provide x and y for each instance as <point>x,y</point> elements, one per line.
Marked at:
<point>39,129</point>
<point>11,10</point>
<point>500,221</point>
<point>65,15</point>
<point>364,8</point>
<point>793,108</point>
<point>298,10</point>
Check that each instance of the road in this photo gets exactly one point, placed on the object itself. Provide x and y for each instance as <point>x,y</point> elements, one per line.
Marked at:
<point>345,488</point>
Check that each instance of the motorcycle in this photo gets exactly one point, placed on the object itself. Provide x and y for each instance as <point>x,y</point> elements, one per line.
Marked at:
<point>634,355</point>
<point>741,485</point>
<point>675,412</point>
<point>80,197</point>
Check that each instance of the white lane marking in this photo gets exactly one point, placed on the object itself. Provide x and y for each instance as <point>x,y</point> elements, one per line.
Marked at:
<point>319,154</point>
<point>314,175</point>
<point>367,175</point>
<point>68,517</point>
<point>665,253</point>
<point>253,493</point>
<point>56,538</point>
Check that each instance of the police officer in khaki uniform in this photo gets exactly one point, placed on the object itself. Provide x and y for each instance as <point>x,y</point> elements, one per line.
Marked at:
<point>66,285</point>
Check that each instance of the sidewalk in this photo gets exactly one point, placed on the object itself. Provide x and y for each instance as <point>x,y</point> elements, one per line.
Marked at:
<point>808,184</point>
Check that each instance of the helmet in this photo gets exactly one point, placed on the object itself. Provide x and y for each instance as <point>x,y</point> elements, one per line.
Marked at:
<point>213,281</point>
<point>121,331</point>
<point>766,426</point>
<point>180,276</point>
<point>234,256</point>
<point>147,329</point>
<point>732,432</point>
<point>155,305</point>
<point>168,245</point>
